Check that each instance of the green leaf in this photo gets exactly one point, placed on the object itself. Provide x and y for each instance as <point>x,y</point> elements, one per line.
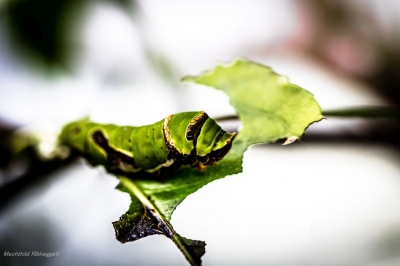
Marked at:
<point>269,107</point>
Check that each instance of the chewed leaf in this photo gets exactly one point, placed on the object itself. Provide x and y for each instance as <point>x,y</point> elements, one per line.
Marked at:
<point>144,219</point>
<point>269,106</point>
<point>139,222</point>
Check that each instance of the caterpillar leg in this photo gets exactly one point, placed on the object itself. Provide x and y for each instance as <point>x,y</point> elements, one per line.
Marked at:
<point>201,167</point>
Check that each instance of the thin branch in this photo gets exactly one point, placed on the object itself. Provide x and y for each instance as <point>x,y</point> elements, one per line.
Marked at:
<point>366,112</point>
<point>363,112</point>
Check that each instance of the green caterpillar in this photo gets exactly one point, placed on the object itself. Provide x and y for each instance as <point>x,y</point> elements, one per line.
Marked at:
<point>188,138</point>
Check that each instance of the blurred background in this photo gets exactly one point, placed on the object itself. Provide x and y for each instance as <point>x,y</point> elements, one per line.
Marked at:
<point>331,199</point>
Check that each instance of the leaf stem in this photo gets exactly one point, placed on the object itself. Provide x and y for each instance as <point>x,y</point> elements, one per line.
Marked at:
<point>132,187</point>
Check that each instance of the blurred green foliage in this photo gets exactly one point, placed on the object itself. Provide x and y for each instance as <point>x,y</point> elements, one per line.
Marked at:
<point>43,30</point>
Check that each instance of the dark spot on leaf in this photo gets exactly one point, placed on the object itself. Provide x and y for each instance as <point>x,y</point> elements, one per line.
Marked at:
<point>133,226</point>
<point>195,248</point>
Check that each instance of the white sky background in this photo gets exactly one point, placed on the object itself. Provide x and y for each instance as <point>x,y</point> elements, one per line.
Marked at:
<point>298,205</point>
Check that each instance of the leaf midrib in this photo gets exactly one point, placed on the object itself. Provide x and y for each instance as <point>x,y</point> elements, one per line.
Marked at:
<point>142,197</point>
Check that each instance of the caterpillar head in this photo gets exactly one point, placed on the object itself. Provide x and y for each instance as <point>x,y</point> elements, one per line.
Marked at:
<point>196,139</point>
